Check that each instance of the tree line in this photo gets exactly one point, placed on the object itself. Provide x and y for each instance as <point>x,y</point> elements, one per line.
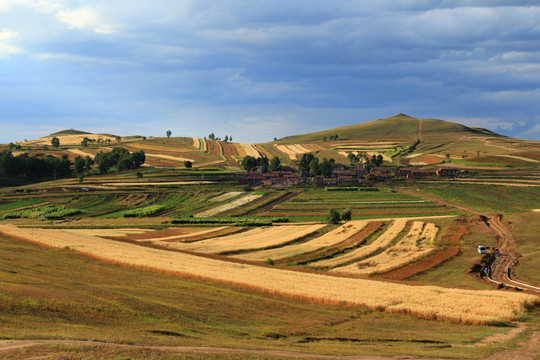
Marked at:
<point>251,163</point>
<point>38,167</point>
<point>34,167</point>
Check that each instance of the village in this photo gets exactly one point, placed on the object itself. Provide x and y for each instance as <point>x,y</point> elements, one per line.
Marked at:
<point>342,175</point>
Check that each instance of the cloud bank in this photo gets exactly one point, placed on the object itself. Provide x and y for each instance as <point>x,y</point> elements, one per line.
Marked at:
<point>240,67</point>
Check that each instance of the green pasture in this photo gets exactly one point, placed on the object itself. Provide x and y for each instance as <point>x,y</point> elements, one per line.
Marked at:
<point>488,198</point>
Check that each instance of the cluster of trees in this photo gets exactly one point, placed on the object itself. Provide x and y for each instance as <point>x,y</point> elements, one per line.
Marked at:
<point>55,142</point>
<point>311,164</point>
<point>212,136</point>
<point>332,137</point>
<point>120,158</point>
<point>14,147</point>
<point>251,164</point>
<point>334,217</point>
<point>34,167</point>
<point>83,164</point>
<point>85,142</point>
<point>375,160</point>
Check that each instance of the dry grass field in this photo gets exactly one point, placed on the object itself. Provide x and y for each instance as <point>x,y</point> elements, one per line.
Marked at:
<point>430,302</point>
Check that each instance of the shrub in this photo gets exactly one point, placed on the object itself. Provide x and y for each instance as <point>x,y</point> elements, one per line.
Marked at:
<point>333,216</point>
<point>346,215</point>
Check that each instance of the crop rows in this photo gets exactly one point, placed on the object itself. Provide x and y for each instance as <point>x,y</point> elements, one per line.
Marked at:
<point>415,245</point>
<point>431,302</point>
<point>258,238</point>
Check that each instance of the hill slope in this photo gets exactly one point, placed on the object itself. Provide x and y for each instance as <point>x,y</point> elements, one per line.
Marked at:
<point>400,127</point>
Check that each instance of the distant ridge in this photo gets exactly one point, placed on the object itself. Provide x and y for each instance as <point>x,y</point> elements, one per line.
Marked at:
<point>70,132</point>
<point>400,127</point>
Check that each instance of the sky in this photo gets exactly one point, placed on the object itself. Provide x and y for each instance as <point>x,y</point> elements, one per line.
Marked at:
<point>255,70</point>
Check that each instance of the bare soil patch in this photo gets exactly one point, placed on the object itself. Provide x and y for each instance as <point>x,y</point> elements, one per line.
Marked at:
<point>430,159</point>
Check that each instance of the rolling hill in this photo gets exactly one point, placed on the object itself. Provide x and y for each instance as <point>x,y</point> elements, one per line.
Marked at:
<point>400,139</point>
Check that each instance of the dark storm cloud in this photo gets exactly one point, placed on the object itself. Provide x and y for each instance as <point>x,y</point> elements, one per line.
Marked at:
<point>201,66</point>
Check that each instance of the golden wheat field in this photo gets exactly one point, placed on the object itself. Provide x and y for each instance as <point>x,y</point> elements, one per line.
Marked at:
<point>70,139</point>
<point>225,196</point>
<point>249,149</point>
<point>292,150</point>
<point>258,238</point>
<point>333,237</point>
<point>431,302</point>
<point>228,206</point>
<point>416,244</point>
<point>380,243</point>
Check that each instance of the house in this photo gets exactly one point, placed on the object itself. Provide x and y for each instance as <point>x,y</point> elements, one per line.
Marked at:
<point>381,169</point>
<point>447,172</point>
<point>414,173</point>
<point>255,178</point>
<point>377,176</point>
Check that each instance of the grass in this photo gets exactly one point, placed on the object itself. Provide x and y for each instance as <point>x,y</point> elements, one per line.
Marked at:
<point>42,297</point>
<point>526,236</point>
<point>473,163</point>
<point>47,212</point>
<point>455,272</point>
<point>492,198</point>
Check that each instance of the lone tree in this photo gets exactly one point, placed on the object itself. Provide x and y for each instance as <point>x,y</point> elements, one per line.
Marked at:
<point>188,164</point>
<point>169,133</point>
<point>55,142</point>
<point>333,216</point>
<point>275,164</point>
<point>346,215</point>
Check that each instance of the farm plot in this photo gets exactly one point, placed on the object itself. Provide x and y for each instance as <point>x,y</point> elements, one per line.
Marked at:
<point>415,245</point>
<point>292,150</point>
<point>226,196</point>
<point>229,206</point>
<point>380,243</point>
<point>249,149</point>
<point>173,235</point>
<point>256,239</point>
<point>70,140</point>
<point>230,151</point>
<point>313,205</point>
<point>331,238</point>
<point>169,157</point>
<point>430,302</point>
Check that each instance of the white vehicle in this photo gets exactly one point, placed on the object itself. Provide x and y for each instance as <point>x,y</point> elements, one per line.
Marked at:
<point>481,249</point>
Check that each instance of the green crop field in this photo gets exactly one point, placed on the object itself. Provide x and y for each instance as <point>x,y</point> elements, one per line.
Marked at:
<point>492,198</point>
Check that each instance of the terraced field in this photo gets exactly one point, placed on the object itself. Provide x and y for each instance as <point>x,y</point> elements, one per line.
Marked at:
<point>313,205</point>
<point>462,306</point>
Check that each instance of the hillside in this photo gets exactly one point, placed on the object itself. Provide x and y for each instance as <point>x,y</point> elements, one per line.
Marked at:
<point>406,140</point>
<point>69,132</point>
<point>401,140</point>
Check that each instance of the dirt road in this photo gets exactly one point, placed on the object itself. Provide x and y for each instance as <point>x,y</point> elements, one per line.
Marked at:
<point>14,349</point>
<point>504,262</point>
<point>502,266</point>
